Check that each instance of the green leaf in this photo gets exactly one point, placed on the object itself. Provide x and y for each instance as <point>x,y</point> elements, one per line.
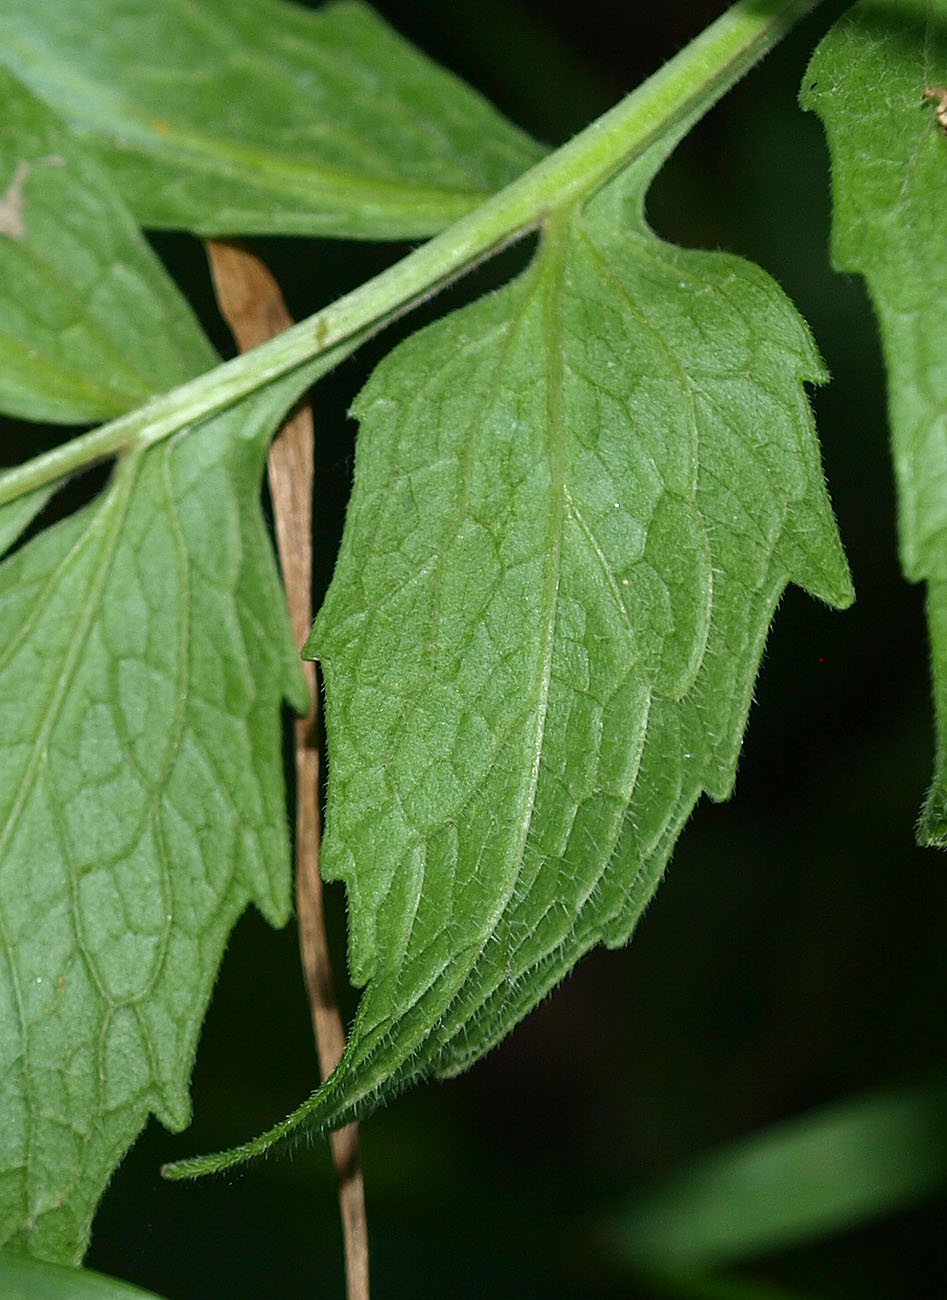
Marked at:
<point>16,516</point>
<point>33,1279</point>
<point>831,1170</point>
<point>889,166</point>
<point>92,325</point>
<point>576,504</point>
<point>256,116</point>
<point>145,655</point>
<point>688,1286</point>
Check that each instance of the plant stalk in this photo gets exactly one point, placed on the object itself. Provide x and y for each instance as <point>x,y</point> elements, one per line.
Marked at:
<point>251,302</point>
<point>685,88</point>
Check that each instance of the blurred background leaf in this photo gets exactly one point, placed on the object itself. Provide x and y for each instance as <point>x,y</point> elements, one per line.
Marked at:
<point>829,1170</point>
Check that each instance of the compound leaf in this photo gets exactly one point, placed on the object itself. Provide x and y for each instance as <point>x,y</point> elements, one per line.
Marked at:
<point>576,504</point>
<point>256,116</point>
<point>867,82</point>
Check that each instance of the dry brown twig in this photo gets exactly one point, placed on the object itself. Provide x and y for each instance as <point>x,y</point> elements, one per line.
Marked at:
<point>251,303</point>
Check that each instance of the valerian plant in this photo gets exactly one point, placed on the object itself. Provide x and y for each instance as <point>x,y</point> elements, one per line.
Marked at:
<point>576,503</point>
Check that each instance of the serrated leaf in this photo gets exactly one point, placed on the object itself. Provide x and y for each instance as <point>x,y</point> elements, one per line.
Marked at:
<point>257,116</point>
<point>92,325</point>
<point>866,81</point>
<point>576,504</point>
<point>145,653</point>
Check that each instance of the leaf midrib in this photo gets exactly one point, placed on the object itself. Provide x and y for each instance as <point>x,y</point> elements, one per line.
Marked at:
<point>554,243</point>
<point>549,281</point>
<point>115,505</point>
<point>281,175</point>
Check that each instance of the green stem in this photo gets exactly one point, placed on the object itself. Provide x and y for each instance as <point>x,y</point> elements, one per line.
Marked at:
<point>681,91</point>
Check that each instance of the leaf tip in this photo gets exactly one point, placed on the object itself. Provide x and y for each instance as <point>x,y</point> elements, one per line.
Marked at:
<point>176,1171</point>
<point>843,595</point>
<point>826,576</point>
<point>218,1161</point>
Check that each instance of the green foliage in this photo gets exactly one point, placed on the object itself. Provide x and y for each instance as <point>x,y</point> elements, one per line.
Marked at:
<point>889,160</point>
<point>92,325</point>
<point>145,654</point>
<point>577,502</point>
<point>248,116</point>
<point>145,657</point>
<point>815,1174</point>
<point>17,515</point>
<point>22,1278</point>
<point>563,550</point>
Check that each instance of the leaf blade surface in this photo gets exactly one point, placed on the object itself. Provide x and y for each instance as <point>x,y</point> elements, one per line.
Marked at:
<point>92,325</point>
<point>141,805</point>
<point>576,503</point>
<point>32,1279</point>
<point>866,81</point>
<point>257,116</point>
<point>144,654</point>
<point>17,515</point>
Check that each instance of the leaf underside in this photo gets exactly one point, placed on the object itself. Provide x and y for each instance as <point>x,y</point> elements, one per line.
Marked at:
<point>17,515</point>
<point>141,808</point>
<point>576,504</point>
<point>91,324</point>
<point>889,169</point>
<point>144,654</point>
<point>257,116</point>
<point>144,643</point>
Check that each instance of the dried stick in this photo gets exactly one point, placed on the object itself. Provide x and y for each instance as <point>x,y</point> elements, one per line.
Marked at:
<point>251,303</point>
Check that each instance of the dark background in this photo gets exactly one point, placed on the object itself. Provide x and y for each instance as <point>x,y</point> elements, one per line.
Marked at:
<point>794,953</point>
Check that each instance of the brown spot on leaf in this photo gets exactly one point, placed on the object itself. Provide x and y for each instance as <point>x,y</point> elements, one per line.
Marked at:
<point>11,204</point>
<point>939,95</point>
